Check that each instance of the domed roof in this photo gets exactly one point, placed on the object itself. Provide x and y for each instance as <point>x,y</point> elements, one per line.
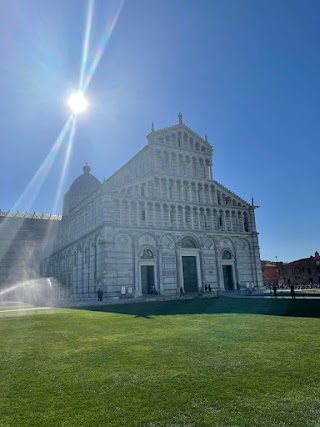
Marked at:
<point>85,183</point>
<point>81,187</point>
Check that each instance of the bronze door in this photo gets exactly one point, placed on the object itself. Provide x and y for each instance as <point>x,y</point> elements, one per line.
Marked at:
<point>190,277</point>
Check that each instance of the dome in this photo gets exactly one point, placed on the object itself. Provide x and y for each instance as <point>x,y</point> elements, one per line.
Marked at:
<point>81,187</point>
<point>85,183</point>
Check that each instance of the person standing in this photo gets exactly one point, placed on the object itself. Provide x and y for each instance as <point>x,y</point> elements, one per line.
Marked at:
<point>100,294</point>
<point>274,290</point>
<point>293,295</point>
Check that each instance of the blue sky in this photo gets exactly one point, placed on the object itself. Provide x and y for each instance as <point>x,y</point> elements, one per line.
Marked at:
<point>246,73</point>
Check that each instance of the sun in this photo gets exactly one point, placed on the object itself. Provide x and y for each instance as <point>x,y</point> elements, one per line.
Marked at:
<point>77,102</point>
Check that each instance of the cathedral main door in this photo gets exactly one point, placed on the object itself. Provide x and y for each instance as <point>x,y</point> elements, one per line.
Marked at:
<point>190,276</point>
<point>228,277</point>
<point>147,279</point>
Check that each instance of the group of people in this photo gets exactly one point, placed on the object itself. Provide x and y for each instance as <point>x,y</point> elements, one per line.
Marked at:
<point>207,288</point>
<point>292,291</point>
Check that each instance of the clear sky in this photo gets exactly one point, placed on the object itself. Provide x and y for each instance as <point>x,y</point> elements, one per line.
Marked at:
<point>244,72</point>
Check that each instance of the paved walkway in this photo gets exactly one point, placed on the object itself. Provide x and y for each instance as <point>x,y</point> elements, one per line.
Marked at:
<point>269,296</point>
<point>126,300</point>
<point>117,300</point>
<point>10,310</point>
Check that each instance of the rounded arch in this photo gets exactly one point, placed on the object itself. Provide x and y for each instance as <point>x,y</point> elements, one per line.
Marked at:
<point>188,243</point>
<point>80,247</point>
<point>97,239</point>
<point>146,252</point>
<point>226,254</point>
<point>147,239</point>
<point>226,243</point>
<point>189,236</point>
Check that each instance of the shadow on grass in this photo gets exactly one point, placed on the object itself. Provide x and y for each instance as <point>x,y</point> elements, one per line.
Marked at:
<point>274,307</point>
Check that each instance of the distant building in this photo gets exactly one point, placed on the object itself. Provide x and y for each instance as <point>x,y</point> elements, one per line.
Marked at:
<point>22,240</point>
<point>269,273</point>
<point>158,224</point>
<point>301,272</point>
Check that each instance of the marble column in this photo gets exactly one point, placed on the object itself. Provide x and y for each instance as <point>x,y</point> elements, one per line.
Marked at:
<point>129,213</point>
<point>160,268</point>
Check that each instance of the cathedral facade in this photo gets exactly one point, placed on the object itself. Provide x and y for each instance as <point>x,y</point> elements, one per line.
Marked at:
<point>160,223</point>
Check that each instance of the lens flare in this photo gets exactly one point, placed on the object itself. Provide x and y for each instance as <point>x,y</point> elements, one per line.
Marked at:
<point>86,41</point>
<point>110,25</point>
<point>66,157</point>
<point>34,186</point>
<point>77,103</point>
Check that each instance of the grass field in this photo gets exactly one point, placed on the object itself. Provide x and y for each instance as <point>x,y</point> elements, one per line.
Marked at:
<point>211,362</point>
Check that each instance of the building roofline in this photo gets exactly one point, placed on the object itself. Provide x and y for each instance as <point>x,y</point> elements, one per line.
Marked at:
<point>177,127</point>
<point>30,215</point>
<point>234,194</point>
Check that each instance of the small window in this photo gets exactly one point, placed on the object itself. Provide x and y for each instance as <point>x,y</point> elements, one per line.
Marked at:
<point>143,215</point>
<point>171,192</point>
<point>246,223</point>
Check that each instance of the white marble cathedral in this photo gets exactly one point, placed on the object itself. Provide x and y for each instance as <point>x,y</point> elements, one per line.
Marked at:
<point>159,223</point>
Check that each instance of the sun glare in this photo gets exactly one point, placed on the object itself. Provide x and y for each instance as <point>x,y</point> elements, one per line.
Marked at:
<point>77,103</point>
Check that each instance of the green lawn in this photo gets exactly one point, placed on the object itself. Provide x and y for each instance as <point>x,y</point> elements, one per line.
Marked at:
<point>211,362</point>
